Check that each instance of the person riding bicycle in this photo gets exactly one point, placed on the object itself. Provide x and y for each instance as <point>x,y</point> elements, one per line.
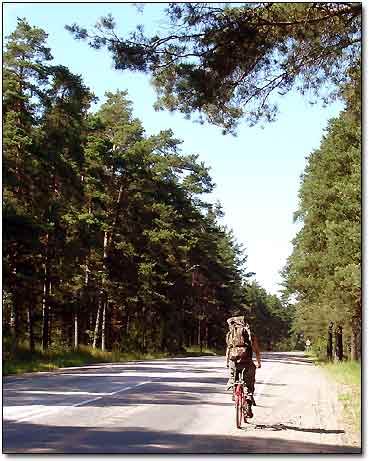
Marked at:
<point>239,357</point>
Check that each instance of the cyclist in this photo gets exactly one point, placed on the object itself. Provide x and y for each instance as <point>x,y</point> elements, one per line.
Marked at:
<point>245,363</point>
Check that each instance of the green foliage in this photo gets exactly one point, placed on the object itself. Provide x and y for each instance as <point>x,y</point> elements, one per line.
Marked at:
<point>324,269</point>
<point>224,62</point>
<point>319,345</point>
<point>269,317</point>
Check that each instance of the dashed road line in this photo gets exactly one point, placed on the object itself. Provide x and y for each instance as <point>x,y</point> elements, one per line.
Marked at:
<point>79,404</point>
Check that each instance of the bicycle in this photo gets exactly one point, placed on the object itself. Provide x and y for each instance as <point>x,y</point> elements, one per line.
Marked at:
<point>241,404</point>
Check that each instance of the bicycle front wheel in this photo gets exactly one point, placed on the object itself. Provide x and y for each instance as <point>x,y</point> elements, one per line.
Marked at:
<point>238,408</point>
<point>239,412</point>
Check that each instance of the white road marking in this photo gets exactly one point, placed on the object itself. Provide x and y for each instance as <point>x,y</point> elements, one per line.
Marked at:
<point>153,375</point>
<point>84,402</point>
<point>56,392</point>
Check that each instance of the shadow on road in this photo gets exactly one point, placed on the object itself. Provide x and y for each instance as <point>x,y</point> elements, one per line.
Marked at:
<point>183,391</point>
<point>139,440</point>
<point>283,427</point>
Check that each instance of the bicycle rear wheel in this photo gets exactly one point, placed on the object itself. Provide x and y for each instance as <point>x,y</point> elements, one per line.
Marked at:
<point>245,414</point>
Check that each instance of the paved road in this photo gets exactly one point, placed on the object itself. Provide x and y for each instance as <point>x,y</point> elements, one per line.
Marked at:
<point>171,406</point>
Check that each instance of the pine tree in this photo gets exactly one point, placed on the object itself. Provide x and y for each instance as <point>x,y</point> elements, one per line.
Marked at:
<point>324,269</point>
<point>226,62</point>
<point>25,62</point>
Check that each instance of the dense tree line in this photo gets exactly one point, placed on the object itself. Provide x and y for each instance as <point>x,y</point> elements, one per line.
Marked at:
<point>324,269</point>
<point>108,239</point>
<point>270,317</point>
<point>223,63</point>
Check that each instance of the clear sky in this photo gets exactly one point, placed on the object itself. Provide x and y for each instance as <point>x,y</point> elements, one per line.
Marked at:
<point>257,173</point>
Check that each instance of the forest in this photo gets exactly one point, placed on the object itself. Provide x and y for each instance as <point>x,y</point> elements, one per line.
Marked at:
<point>109,238</point>
<point>226,63</point>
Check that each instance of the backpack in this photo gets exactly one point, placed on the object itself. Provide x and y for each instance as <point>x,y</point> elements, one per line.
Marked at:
<point>239,339</point>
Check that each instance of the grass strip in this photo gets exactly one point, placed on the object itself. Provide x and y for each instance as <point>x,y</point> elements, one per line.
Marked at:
<point>23,361</point>
<point>348,374</point>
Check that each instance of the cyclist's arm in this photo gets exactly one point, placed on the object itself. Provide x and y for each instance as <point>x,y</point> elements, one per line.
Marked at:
<point>228,351</point>
<point>256,349</point>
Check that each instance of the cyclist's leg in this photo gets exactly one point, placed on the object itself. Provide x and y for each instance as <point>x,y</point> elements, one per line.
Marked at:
<point>249,377</point>
<point>237,369</point>
<point>232,372</point>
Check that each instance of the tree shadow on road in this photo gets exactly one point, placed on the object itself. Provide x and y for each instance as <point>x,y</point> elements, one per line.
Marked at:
<point>36,438</point>
<point>186,390</point>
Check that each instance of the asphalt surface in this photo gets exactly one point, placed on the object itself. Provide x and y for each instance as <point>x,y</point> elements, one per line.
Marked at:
<point>172,406</point>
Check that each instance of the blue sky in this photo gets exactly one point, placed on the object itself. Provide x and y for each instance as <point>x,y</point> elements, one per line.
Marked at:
<point>257,173</point>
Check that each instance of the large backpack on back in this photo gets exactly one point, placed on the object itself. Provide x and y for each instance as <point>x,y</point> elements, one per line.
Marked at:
<point>239,339</point>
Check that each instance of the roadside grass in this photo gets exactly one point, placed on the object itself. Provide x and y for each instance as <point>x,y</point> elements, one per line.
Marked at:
<point>195,351</point>
<point>315,358</point>
<point>348,375</point>
<point>346,372</point>
<point>23,361</point>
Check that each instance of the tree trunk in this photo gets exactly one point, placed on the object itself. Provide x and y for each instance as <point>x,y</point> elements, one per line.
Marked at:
<point>30,329</point>
<point>45,312</point>
<point>330,342</point>
<point>13,325</point>
<point>50,316</point>
<point>354,338</point>
<point>199,342</point>
<point>338,344</point>
<point>75,331</point>
<point>106,244</point>
<point>97,323</point>
<point>90,325</point>
<point>46,299</point>
<point>103,326</point>
<point>141,325</point>
<point>119,198</point>
<point>103,293</point>
<point>14,309</point>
